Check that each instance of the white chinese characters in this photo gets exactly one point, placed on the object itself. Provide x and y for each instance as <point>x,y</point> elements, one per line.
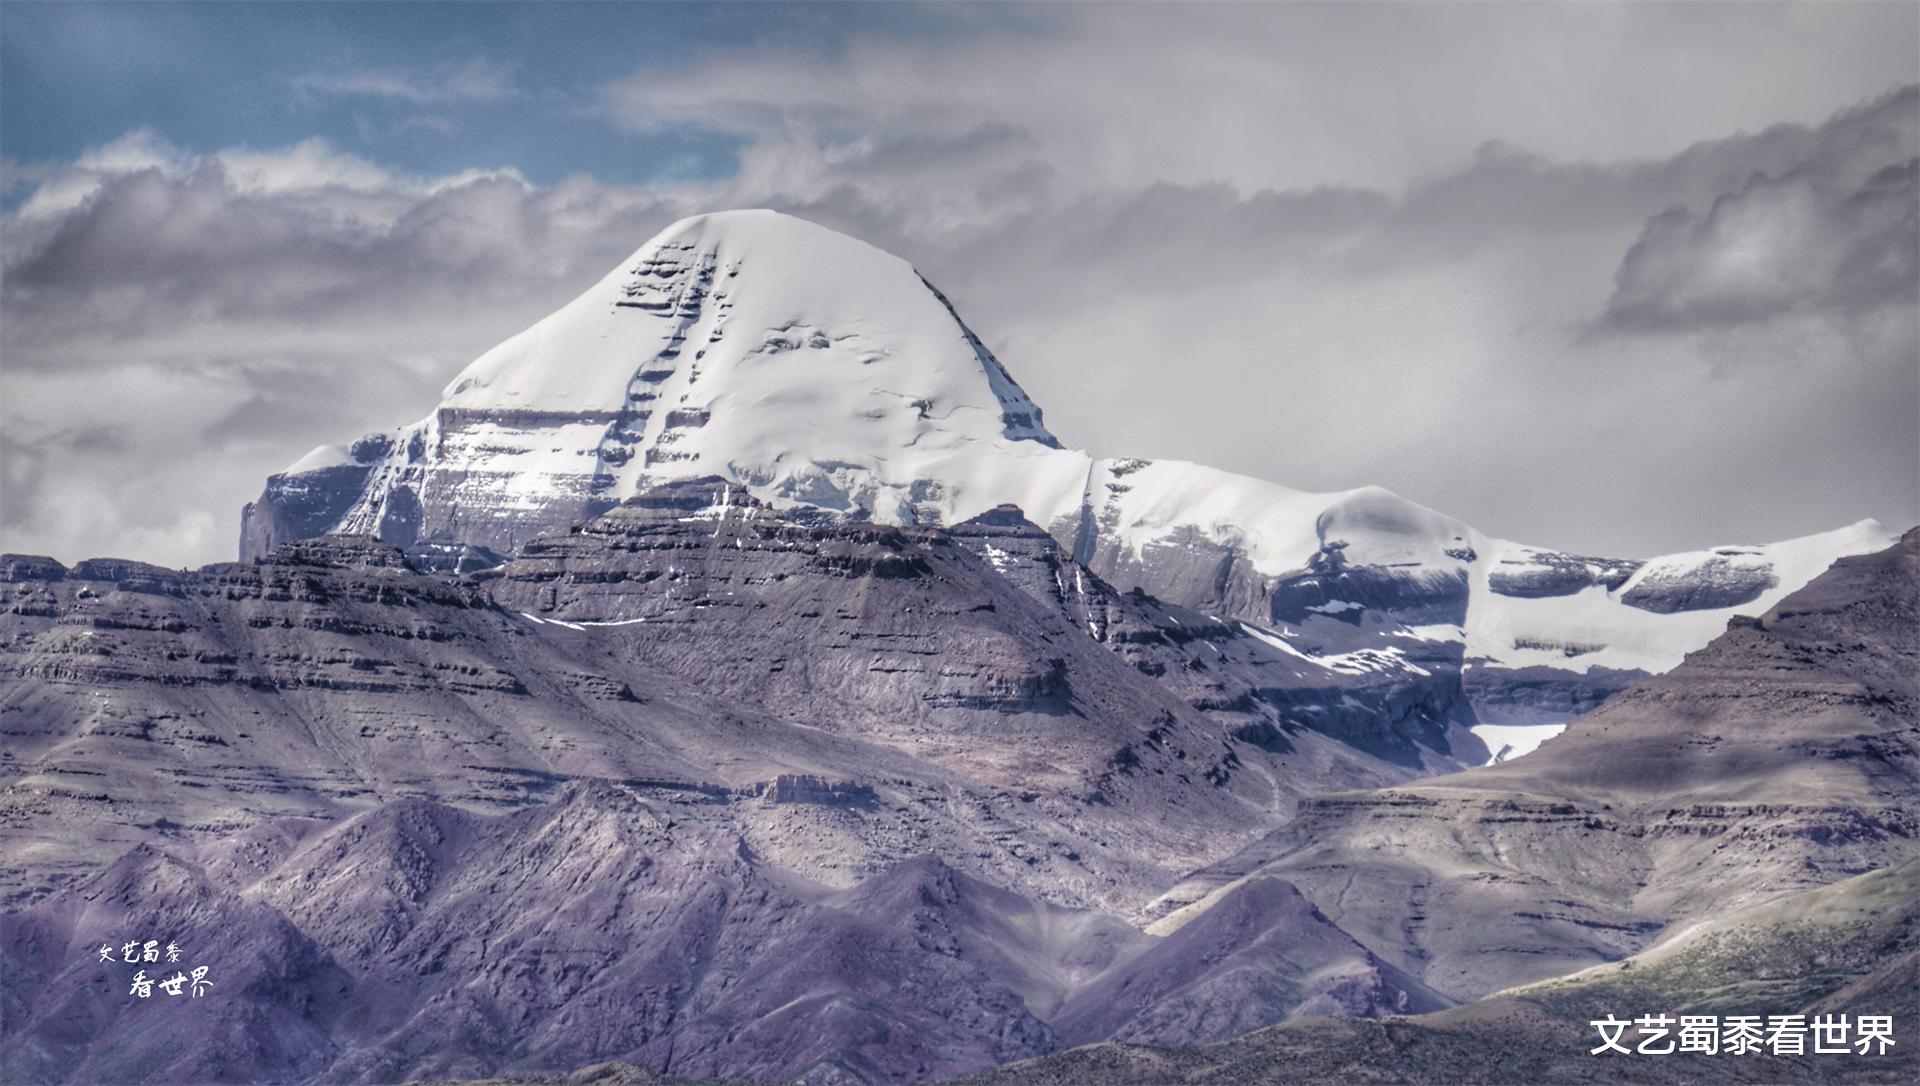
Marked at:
<point>1744,1035</point>
<point>150,952</point>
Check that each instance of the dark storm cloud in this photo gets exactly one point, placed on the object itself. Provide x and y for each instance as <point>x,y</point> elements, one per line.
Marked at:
<point>377,259</point>
<point>1508,188</point>
<point>24,478</point>
<point>1013,232</point>
<point>1779,246</point>
<point>1827,222</point>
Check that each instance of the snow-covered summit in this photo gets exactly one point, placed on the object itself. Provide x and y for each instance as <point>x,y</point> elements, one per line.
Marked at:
<point>747,344</point>
<point>785,323</point>
<point>819,372</point>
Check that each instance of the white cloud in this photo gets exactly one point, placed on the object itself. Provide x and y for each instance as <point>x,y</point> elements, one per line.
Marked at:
<point>1290,96</point>
<point>302,168</point>
<point>1147,231</point>
<point>477,81</point>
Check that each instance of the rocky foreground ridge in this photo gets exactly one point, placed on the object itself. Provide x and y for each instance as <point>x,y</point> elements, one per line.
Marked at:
<point>696,640</point>
<point>723,792</point>
<point>1842,950</point>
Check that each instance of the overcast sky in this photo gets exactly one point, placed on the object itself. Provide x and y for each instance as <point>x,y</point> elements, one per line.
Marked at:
<point>1621,279</point>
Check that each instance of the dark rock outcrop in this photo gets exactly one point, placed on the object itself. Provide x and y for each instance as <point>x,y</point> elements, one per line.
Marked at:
<point>1549,573</point>
<point>1718,582</point>
<point>300,506</point>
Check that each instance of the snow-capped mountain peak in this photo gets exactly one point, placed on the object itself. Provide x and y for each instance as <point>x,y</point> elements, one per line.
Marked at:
<point>822,374</point>
<point>768,315</point>
<point>746,344</point>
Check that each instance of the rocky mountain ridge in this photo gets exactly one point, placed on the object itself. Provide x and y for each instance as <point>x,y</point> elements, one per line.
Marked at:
<point>606,828</point>
<point>728,792</point>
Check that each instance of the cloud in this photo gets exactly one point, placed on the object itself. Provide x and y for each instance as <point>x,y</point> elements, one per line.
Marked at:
<point>988,199</point>
<point>1836,233</point>
<point>255,252</point>
<point>1179,252</point>
<point>298,170</point>
<point>1292,96</point>
<point>176,326</point>
<point>426,122</point>
<point>477,81</point>
<point>63,188</point>
<point>1778,246</point>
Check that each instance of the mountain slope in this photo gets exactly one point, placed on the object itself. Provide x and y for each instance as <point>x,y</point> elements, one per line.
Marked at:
<point>419,940</point>
<point>697,785</point>
<point>1784,755</point>
<point>1085,743</point>
<point>1260,951</point>
<point>1845,949</point>
<point>811,366</point>
<point>482,818</point>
